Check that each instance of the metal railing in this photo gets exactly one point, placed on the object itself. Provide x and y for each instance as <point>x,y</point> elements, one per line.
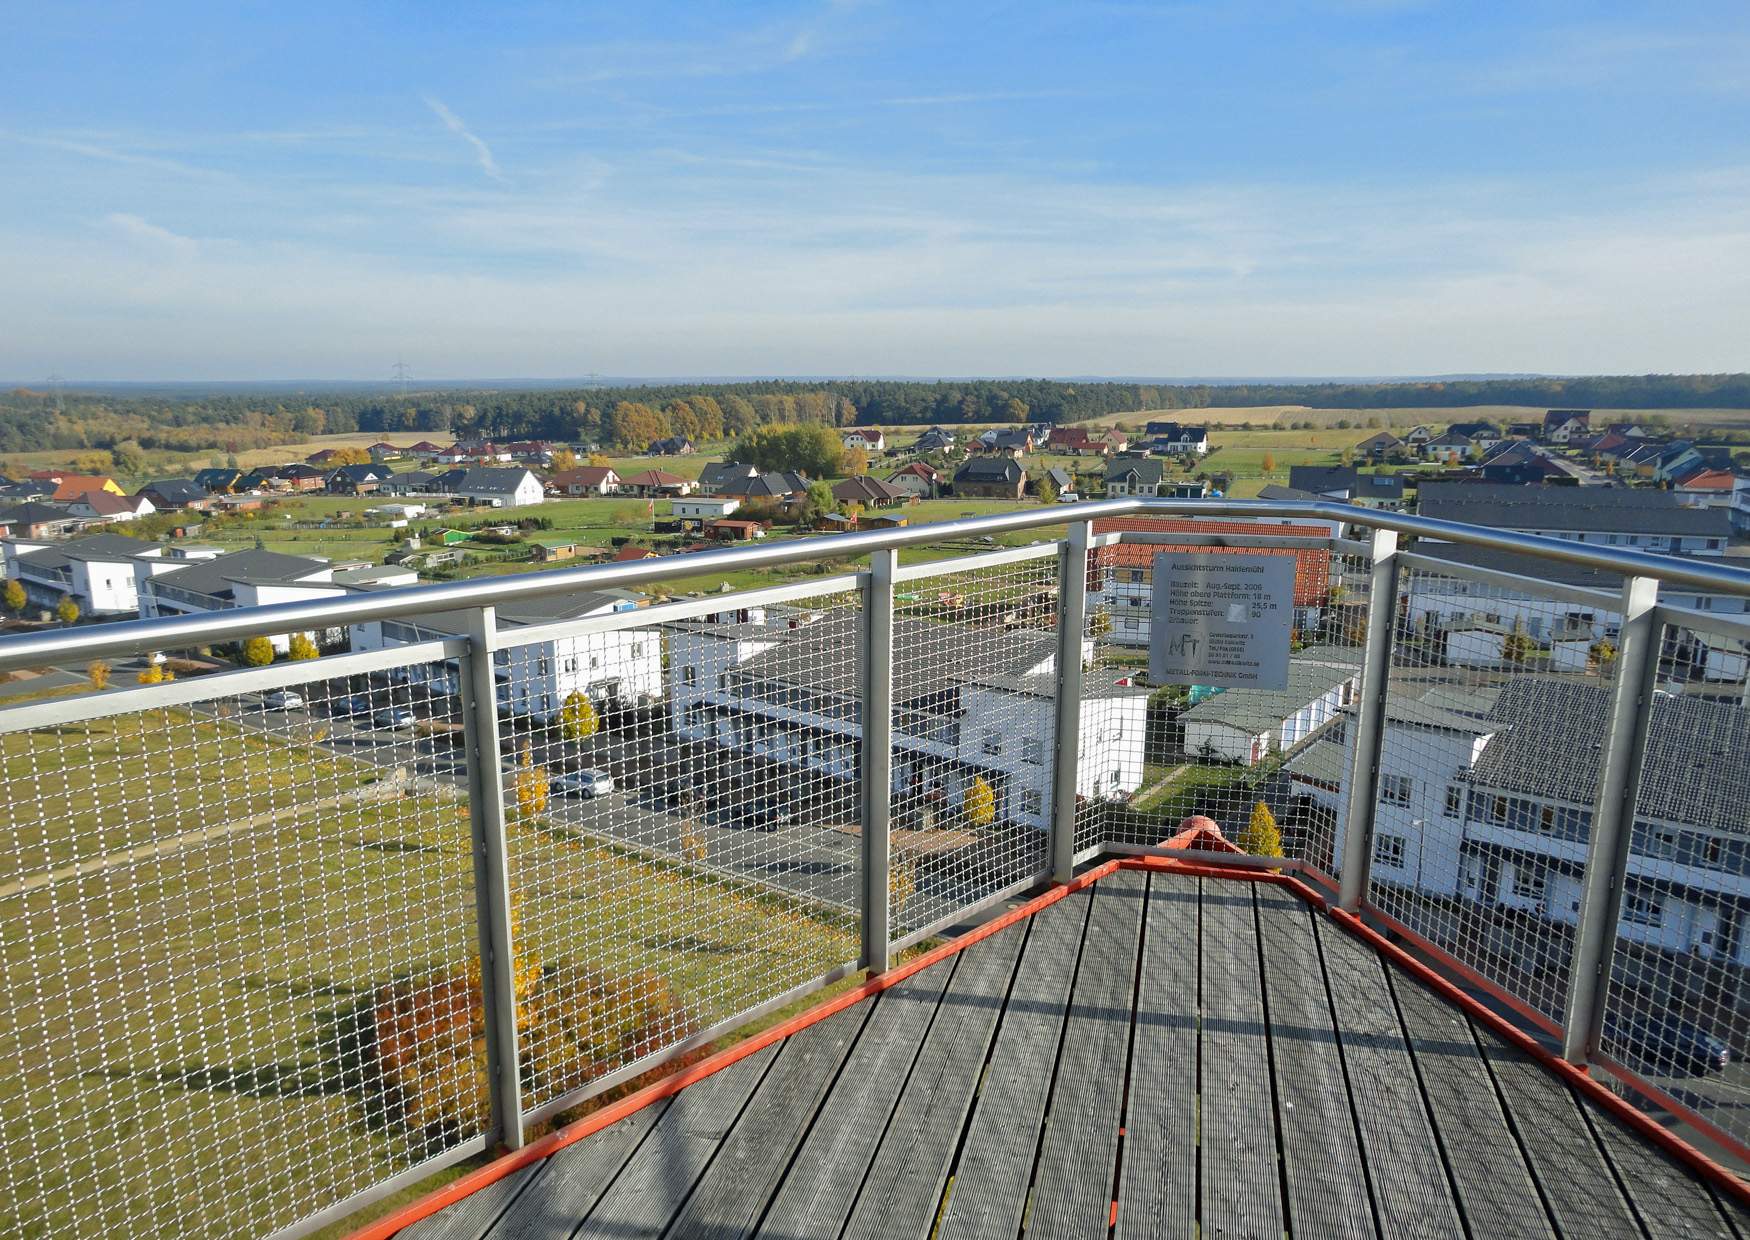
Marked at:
<point>457,888</point>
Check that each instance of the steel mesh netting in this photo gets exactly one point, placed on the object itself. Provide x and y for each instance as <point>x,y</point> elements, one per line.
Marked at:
<point>1264,764</point>
<point>1488,772</point>
<point>682,805</point>
<point>974,703</point>
<point>240,952</point>
<point>1674,1007</point>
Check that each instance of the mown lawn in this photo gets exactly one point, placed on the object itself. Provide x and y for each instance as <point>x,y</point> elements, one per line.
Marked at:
<point>175,1053</point>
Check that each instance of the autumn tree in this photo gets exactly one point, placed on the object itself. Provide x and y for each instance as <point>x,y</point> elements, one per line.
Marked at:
<point>563,460</point>
<point>979,803</point>
<point>578,719</point>
<point>856,461</point>
<point>1260,837</point>
<point>1516,647</point>
<point>97,671</point>
<point>301,647</point>
<point>258,652</point>
<point>531,787</point>
<point>810,449</point>
<point>67,611</point>
<point>1269,462</point>
<point>151,674</point>
<point>1046,490</point>
<point>599,460</point>
<point>15,597</point>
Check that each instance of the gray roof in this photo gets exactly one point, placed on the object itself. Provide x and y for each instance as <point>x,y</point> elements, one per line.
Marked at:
<point>543,610</point>
<point>35,513</point>
<point>176,489</point>
<point>98,547</point>
<point>1694,770</point>
<point>716,473</point>
<point>1146,469</point>
<point>1637,511</point>
<point>485,478</point>
<point>1275,491</point>
<point>1044,684</point>
<point>1259,710</point>
<point>1061,478</point>
<point>1322,478</point>
<point>989,469</point>
<point>774,484</point>
<point>215,576</point>
<point>1379,486</point>
<point>1325,761</point>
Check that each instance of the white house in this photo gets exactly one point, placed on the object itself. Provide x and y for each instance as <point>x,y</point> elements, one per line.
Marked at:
<point>96,571</point>
<point>252,578</point>
<point>1246,726</point>
<point>1133,475</point>
<point>615,669</point>
<point>868,438</point>
<point>494,487</point>
<point>108,506</point>
<point>970,704</point>
<point>704,507</point>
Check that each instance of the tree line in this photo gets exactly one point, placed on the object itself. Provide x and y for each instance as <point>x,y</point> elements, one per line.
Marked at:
<point>632,416</point>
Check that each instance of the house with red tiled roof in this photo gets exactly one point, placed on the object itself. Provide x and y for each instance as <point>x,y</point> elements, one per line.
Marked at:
<point>657,483</point>
<point>71,486</point>
<point>584,480</point>
<point>916,479</point>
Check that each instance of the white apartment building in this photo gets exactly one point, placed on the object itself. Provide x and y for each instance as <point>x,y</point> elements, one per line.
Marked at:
<point>1639,518</point>
<point>97,571</point>
<point>253,578</point>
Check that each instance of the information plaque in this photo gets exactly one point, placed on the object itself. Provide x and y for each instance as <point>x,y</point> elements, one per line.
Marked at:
<point>1221,620</point>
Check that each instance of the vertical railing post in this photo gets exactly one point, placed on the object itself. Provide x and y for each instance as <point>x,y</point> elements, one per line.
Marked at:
<point>1613,817</point>
<point>1369,725</point>
<point>492,877</point>
<point>875,660</point>
<point>1072,624</point>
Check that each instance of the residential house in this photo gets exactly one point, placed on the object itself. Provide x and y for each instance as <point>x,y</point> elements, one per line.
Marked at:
<point>584,480</point>
<point>1134,475</point>
<point>106,506</point>
<point>1524,430</point>
<point>1013,442</point>
<point>674,445</point>
<point>631,553</point>
<point>554,550</point>
<point>1418,437</point>
<point>1061,480</point>
<point>657,484</point>
<point>704,507</point>
<point>1451,448</point>
<point>383,450</point>
<point>1077,441</point>
<point>252,578</point>
<point>70,487</point>
<point>1705,486</point>
<point>729,529</point>
<point>493,487</point>
<point>426,450</point>
<point>935,440</point>
<point>1604,516</point>
<point>990,477</point>
<point>173,493</point>
<point>869,492</point>
<point>358,479</point>
<point>1172,439</point>
<point>1484,435</point>
<point>1565,425</point>
<point>1121,580</point>
<point>1247,726</point>
<point>719,474</point>
<point>615,670</point>
<point>916,479</point>
<point>970,704</point>
<point>412,482</point>
<point>1520,463</point>
<point>324,458</point>
<point>1325,481</point>
<point>39,520</point>
<point>95,571</point>
<point>1116,441</point>
<point>779,486</point>
<point>868,438</point>
<point>299,477</point>
<point>1380,446</point>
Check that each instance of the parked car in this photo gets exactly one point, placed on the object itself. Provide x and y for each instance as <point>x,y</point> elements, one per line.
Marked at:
<point>588,783</point>
<point>356,704</point>
<point>1664,1045</point>
<point>393,719</point>
<point>281,699</point>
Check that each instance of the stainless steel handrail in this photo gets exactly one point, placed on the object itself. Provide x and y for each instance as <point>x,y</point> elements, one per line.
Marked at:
<point>134,637</point>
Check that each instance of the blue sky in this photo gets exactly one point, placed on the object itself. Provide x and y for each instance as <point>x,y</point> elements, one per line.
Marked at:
<point>1349,187</point>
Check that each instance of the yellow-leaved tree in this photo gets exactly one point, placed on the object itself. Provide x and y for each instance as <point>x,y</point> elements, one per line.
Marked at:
<point>301,647</point>
<point>531,787</point>
<point>980,802</point>
<point>1261,837</point>
<point>98,671</point>
<point>578,719</point>
<point>67,611</point>
<point>258,652</point>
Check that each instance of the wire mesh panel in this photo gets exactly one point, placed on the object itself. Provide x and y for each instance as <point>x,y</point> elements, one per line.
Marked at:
<point>1674,1012</point>
<point>682,804</point>
<point>1489,768</point>
<point>974,698</point>
<point>241,982</point>
<point>1266,765</point>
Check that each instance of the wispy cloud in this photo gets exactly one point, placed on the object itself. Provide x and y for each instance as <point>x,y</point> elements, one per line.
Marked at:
<point>452,122</point>
<point>145,233</point>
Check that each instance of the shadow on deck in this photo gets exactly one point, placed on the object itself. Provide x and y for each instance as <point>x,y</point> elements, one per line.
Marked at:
<point>1155,1054</point>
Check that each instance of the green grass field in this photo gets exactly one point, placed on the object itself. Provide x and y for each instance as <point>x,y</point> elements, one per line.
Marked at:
<point>173,1050</point>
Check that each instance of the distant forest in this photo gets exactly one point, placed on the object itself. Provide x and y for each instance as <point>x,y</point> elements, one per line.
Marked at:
<point>629,417</point>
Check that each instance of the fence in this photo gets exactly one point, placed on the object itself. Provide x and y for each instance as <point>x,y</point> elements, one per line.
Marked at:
<point>363,917</point>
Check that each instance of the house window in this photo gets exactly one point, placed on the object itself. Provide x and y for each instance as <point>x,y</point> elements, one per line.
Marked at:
<point>1388,850</point>
<point>1136,574</point>
<point>637,650</point>
<point>1528,884</point>
<point>1454,800</point>
<point>1643,910</point>
<point>1032,801</point>
<point>1395,789</point>
<point>993,742</point>
<point>546,666</point>
<point>1033,750</point>
<point>571,665</point>
<point>690,675</point>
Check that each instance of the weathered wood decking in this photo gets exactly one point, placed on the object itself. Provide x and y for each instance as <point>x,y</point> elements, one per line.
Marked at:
<point>1154,1055</point>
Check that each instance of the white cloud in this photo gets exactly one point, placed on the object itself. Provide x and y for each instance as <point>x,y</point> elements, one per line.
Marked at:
<point>453,123</point>
<point>145,234</point>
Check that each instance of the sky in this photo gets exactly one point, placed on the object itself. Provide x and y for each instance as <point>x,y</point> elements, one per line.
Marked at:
<point>857,187</point>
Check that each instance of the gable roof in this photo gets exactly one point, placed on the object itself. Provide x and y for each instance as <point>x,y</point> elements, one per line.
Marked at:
<point>90,548</point>
<point>717,473</point>
<point>1322,478</point>
<point>1136,468</point>
<point>989,469</point>
<point>583,476</point>
<point>777,484</point>
<point>919,468</point>
<point>866,490</point>
<point>654,478</point>
<point>107,503</point>
<point>214,577</point>
<point>1630,510</point>
<point>34,513</point>
<point>176,490</point>
<point>71,486</point>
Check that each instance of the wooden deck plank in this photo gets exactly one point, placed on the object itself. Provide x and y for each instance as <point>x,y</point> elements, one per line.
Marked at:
<point>1495,1187</point>
<point>662,1173</point>
<point>572,1181</point>
<point>1583,1195</point>
<point>1078,1160</point>
<point>1321,1149</point>
<point>1411,1192</point>
<point>1157,1190</point>
<point>989,1192</point>
<point>817,1192</point>
<point>474,1216</point>
<point>903,1189</point>
<point>739,1184</point>
<point>1241,1191</point>
<point>1666,1196</point>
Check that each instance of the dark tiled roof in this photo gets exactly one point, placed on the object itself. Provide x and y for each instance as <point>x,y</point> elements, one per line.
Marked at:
<point>215,576</point>
<point>1144,469</point>
<point>1502,506</point>
<point>1322,478</point>
<point>989,469</point>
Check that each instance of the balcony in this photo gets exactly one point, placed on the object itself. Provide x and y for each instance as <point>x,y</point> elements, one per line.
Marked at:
<point>911,938</point>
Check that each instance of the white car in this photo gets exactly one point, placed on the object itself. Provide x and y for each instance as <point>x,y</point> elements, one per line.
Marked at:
<point>394,718</point>
<point>281,699</point>
<point>583,783</point>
